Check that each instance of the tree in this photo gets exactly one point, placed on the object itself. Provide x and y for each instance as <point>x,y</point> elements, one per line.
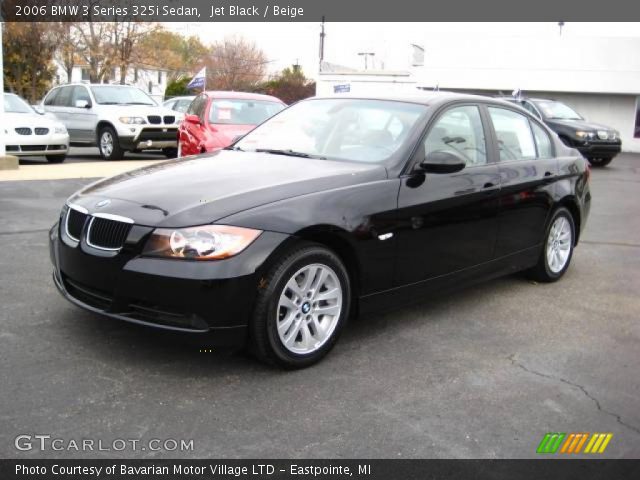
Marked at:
<point>177,87</point>
<point>235,64</point>
<point>126,42</point>
<point>29,49</point>
<point>289,86</point>
<point>180,55</point>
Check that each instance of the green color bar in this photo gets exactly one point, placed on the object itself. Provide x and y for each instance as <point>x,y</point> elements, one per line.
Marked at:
<point>550,443</point>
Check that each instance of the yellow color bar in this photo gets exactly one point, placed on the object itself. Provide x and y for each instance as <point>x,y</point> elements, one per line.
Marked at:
<point>605,443</point>
<point>591,442</point>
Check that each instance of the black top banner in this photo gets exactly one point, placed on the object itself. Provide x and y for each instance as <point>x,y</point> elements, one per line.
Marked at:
<point>336,469</point>
<point>314,10</point>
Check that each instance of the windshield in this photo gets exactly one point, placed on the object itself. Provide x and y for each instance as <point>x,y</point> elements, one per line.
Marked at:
<point>14,104</point>
<point>558,111</point>
<point>338,129</point>
<point>242,112</point>
<point>110,95</point>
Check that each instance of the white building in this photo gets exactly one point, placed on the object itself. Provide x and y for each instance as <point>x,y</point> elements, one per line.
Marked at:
<point>598,77</point>
<point>150,79</point>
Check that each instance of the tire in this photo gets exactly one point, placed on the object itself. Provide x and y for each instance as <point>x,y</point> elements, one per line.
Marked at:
<point>109,144</point>
<point>56,158</point>
<point>600,162</point>
<point>304,336</point>
<point>170,152</point>
<point>558,247</point>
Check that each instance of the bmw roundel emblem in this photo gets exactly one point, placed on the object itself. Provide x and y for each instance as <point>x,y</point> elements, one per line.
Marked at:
<point>103,203</point>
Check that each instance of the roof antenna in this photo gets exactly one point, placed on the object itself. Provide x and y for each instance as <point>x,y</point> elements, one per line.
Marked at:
<point>436,88</point>
<point>560,25</point>
<point>517,94</point>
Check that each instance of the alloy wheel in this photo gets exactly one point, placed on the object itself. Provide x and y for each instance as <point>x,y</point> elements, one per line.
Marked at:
<point>106,144</point>
<point>559,244</point>
<point>309,309</point>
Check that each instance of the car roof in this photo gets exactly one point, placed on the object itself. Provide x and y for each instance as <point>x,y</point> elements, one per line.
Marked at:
<point>241,95</point>
<point>424,98</point>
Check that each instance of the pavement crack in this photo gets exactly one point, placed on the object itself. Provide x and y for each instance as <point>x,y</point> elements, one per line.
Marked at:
<point>618,418</point>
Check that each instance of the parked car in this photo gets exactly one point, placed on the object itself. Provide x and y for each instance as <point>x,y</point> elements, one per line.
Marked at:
<point>215,119</point>
<point>275,241</point>
<point>598,143</point>
<point>116,118</point>
<point>179,104</point>
<point>30,133</point>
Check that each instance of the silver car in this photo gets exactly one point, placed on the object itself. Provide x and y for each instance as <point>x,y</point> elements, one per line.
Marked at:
<point>116,118</point>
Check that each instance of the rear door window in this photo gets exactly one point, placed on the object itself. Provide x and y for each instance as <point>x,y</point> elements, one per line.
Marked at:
<point>513,132</point>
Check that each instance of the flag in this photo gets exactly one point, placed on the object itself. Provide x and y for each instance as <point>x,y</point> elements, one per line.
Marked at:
<point>199,80</point>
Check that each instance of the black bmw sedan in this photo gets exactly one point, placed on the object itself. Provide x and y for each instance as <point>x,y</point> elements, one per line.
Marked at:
<point>334,207</point>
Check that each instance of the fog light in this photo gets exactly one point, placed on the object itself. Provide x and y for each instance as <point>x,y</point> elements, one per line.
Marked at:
<point>149,143</point>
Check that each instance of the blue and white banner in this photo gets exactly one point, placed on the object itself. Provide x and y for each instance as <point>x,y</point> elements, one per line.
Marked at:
<point>199,80</point>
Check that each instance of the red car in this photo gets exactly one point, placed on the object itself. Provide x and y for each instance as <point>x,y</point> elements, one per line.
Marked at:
<point>215,119</point>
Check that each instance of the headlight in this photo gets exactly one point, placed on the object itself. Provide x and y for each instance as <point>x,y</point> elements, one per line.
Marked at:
<point>207,242</point>
<point>60,129</point>
<point>581,134</point>
<point>133,120</point>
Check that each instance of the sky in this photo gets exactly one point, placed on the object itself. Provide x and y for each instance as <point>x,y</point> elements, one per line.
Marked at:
<point>288,43</point>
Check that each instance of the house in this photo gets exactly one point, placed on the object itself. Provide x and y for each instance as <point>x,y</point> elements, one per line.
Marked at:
<point>152,80</point>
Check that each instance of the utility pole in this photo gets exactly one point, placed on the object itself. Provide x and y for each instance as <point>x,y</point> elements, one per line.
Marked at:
<point>560,25</point>
<point>322,35</point>
<point>366,56</point>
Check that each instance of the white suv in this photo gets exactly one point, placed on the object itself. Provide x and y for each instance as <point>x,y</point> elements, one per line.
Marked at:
<point>116,118</point>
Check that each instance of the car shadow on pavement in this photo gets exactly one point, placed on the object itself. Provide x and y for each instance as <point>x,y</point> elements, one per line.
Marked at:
<point>175,353</point>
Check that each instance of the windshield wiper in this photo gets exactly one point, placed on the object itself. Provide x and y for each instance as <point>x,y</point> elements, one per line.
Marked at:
<point>138,103</point>
<point>290,153</point>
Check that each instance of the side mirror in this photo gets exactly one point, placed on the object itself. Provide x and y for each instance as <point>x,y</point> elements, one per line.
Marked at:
<point>442,162</point>
<point>192,118</point>
<point>82,104</point>
<point>39,109</point>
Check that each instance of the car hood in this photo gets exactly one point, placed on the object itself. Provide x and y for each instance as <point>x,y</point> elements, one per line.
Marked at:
<point>139,110</point>
<point>578,124</point>
<point>204,189</point>
<point>31,120</point>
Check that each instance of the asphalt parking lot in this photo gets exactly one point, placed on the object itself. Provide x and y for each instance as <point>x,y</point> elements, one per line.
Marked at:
<point>89,154</point>
<point>483,373</point>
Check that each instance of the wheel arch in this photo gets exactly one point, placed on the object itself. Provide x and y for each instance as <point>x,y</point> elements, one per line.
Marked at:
<point>570,203</point>
<point>101,124</point>
<point>336,240</point>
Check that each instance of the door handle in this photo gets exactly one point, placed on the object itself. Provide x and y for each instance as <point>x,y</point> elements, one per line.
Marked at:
<point>488,185</point>
<point>547,174</point>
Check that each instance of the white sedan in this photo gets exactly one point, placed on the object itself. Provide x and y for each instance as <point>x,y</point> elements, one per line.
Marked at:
<point>33,134</point>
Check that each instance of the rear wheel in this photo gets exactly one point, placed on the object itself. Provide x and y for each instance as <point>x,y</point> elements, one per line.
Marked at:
<point>600,162</point>
<point>558,248</point>
<point>301,311</point>
<point>56,158</point>
<point>109,144</point>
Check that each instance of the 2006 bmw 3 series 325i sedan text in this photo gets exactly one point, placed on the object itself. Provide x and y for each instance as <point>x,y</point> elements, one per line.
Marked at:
<point>334,207</point>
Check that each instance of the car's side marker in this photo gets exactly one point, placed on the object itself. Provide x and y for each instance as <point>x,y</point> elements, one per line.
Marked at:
<point>385,236</point>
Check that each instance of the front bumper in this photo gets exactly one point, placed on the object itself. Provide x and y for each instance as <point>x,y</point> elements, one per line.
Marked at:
<point>150,138</point>
<point>595,149</point>
<point>27,145</point>
<point>187,296</point>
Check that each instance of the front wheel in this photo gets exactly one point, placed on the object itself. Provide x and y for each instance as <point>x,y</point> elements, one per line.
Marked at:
<point>170,152</point>
<point>56,158</point>
<point>301,309</point>
<point>109,144</point>
<point>600,162</point>
<point>558,248</point>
